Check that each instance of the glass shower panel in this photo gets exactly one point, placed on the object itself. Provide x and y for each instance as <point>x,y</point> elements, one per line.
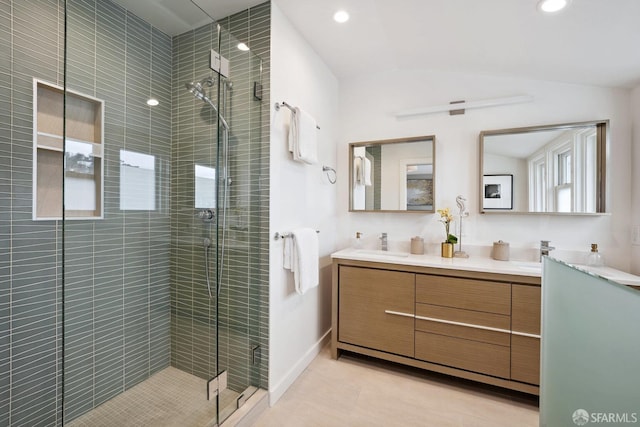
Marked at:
<point>117,317</point>
<point>590,349</point>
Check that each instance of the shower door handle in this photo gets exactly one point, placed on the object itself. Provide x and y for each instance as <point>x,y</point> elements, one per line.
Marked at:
<point>207,244</point>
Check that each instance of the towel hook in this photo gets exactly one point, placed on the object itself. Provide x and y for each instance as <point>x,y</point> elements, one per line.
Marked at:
<point>328,171</point>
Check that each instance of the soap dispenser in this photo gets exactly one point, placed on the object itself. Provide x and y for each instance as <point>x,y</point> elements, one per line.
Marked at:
<point>594,259</point>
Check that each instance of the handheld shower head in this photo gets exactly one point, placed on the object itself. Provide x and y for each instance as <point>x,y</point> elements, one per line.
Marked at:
<point>196,89</point>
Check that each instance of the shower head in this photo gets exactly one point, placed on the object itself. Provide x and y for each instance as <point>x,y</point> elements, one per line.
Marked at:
<point>196,89</point>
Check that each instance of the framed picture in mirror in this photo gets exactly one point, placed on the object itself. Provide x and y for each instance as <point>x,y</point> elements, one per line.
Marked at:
<point>419,193</point>
<point>497,192</point>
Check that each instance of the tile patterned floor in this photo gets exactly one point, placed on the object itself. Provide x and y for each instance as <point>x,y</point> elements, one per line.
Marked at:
<point>170,398</point>
<point>359,391</point>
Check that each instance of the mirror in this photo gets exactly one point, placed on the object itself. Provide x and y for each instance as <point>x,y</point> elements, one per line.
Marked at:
<point>393,175</point>
<point>544,169</point>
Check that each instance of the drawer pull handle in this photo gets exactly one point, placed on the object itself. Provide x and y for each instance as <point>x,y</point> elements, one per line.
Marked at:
<point>468,325</point>
<point>399,313</point>
<point>524,334</point>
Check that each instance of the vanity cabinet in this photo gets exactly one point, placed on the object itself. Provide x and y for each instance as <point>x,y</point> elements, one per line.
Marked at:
<point>480,326</point>
<point>464,323</point>
<point>525,335</point>
<point>377,309</point>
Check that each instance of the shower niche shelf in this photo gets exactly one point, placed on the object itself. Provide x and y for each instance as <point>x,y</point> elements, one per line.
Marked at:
<point>78,160</point>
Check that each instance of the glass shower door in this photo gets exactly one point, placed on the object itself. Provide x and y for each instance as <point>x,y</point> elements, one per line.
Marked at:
<point>240,342</point>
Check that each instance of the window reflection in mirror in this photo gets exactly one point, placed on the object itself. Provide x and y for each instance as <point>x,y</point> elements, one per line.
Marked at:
<point>395,175</point>
<point>555,169</point>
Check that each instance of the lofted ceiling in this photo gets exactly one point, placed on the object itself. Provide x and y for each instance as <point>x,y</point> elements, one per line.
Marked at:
<point>591,42</point>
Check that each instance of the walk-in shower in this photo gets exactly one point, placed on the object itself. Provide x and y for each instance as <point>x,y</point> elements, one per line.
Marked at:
<point>162,311</point>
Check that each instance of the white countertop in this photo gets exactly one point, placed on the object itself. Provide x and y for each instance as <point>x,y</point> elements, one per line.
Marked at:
<point>475,263</point>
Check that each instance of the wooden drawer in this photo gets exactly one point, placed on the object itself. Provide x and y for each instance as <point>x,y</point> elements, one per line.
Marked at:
<point>470,355</point>
<point>473,325</point>
<point>469,294</point>
<point>525,359</point>
<point>526,309</point>
<point>365,298</point>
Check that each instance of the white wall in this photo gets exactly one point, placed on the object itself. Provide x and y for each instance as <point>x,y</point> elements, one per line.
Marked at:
<point>301,196</point>
<point>367,104</point>
<point>635,177</point>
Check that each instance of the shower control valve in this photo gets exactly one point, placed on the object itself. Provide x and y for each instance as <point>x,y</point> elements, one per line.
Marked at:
<point>206,214</point>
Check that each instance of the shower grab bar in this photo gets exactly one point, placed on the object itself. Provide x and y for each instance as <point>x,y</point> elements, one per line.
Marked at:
<point>284,104</point>
<point>285,235</point>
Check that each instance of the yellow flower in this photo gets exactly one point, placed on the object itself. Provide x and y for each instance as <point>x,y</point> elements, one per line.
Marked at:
<point>446,218</point>
<point>445,215</point>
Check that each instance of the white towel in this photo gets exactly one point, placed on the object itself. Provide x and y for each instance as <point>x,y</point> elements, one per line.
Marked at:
<point>303,137</point>
<point>366,171</point>
<point>305,256</point>
<point>362,170</point>
<point>358,171</point>
<point>287,254</point>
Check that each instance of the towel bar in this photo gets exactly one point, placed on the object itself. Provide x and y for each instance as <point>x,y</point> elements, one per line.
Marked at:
<point>285,235</point>
<point>284,104</point>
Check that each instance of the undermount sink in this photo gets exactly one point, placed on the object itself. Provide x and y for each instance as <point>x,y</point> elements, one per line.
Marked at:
<point>382,253</point>
<point>527,265</point>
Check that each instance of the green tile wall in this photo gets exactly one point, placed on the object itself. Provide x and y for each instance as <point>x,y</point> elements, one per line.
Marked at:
<point>29,252</point>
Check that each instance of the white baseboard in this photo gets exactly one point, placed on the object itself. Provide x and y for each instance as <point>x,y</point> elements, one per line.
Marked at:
<point>276,392</point>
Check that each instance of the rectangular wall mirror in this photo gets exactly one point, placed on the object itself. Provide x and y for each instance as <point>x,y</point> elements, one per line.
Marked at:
<point>559,169</point>
<point>393,175</point>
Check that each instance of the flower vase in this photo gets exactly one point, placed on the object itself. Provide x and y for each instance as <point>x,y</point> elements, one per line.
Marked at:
<point>446,250</point>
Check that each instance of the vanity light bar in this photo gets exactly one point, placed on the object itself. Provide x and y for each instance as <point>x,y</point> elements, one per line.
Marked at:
<point>494,102</point>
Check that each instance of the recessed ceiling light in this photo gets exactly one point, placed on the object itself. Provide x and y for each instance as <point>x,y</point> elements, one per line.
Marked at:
<point>551,6</point>
<point>152,102</point>
<point>341,16</point>
<point>243,47</point>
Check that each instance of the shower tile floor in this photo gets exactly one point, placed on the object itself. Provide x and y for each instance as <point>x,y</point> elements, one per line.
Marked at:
<point>170,398</point>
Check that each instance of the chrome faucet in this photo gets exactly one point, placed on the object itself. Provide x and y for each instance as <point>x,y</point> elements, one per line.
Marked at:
<point>383,241</point>
<point>545,248</point>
